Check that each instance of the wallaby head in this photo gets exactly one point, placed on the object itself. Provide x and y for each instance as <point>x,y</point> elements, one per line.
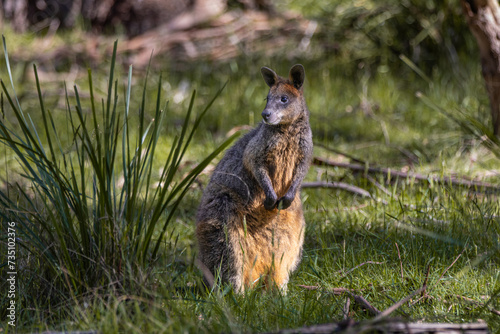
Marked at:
<point>285,101</point>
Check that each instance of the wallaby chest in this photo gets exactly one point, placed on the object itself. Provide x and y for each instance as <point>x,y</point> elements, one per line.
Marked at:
<point>278,153</point>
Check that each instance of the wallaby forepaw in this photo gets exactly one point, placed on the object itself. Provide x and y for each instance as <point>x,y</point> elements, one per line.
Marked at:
<point>284,202</point>
<point>270,202</point>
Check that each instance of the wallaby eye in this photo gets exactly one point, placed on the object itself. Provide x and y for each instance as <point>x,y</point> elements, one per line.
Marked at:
<point>284,99</point>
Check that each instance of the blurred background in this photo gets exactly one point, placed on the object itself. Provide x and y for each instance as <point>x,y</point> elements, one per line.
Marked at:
<point>365,61</point>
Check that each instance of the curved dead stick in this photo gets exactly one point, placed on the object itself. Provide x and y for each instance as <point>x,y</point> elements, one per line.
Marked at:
<point>389,173</point>
<point>338,185</point>
<point>357,298</point>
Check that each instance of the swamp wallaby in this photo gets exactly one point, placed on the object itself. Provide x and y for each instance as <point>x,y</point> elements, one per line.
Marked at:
<point>250,223</point>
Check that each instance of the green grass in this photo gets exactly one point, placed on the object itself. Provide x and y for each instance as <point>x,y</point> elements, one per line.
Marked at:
<point>367,107</point>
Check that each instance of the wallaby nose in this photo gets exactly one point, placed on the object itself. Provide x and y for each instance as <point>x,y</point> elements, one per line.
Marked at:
<point>266,114</point>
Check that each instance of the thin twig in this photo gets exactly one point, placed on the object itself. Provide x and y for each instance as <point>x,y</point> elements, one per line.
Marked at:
<point>347,306</point>
<point>339,185</point>
<point>343,186</point>
<point>394,307</point>
<point>336,291</point>
<point>350,208</point>
<point>451,265</point>
<point>389,173</point>
<point>359,265</point>
<point>378,185</point>
<point>416,301</point>
<point>400,262</point>
<point>362,301</point>
<point>424,286</point>
<point>347,155</point>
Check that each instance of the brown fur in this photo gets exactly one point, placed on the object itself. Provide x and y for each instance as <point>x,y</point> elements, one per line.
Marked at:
<point>250,223</point>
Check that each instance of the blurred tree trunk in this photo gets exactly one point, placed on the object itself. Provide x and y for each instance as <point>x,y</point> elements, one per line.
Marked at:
<point>483,18</point>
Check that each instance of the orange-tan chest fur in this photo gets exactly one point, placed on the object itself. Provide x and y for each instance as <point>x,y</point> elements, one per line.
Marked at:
<point>281,157</point>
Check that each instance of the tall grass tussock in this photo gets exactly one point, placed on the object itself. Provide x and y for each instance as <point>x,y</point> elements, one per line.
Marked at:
<point>88,211</point>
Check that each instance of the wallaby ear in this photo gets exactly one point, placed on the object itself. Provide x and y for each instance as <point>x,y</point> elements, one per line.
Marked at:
<point>297,75</point>
<point>270,77</point>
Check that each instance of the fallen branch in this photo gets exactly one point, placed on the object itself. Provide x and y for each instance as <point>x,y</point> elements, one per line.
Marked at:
<point>472,301</point>
<point>390,173</point>
<point>467,299</point>
<point>381,324</point>
<point>340,291</point>
<point>390,326</point>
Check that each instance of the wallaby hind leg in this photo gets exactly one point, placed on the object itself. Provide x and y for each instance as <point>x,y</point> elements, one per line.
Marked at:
<point>215,232</point>
<point>272,251</point>
<point>287,256</point>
